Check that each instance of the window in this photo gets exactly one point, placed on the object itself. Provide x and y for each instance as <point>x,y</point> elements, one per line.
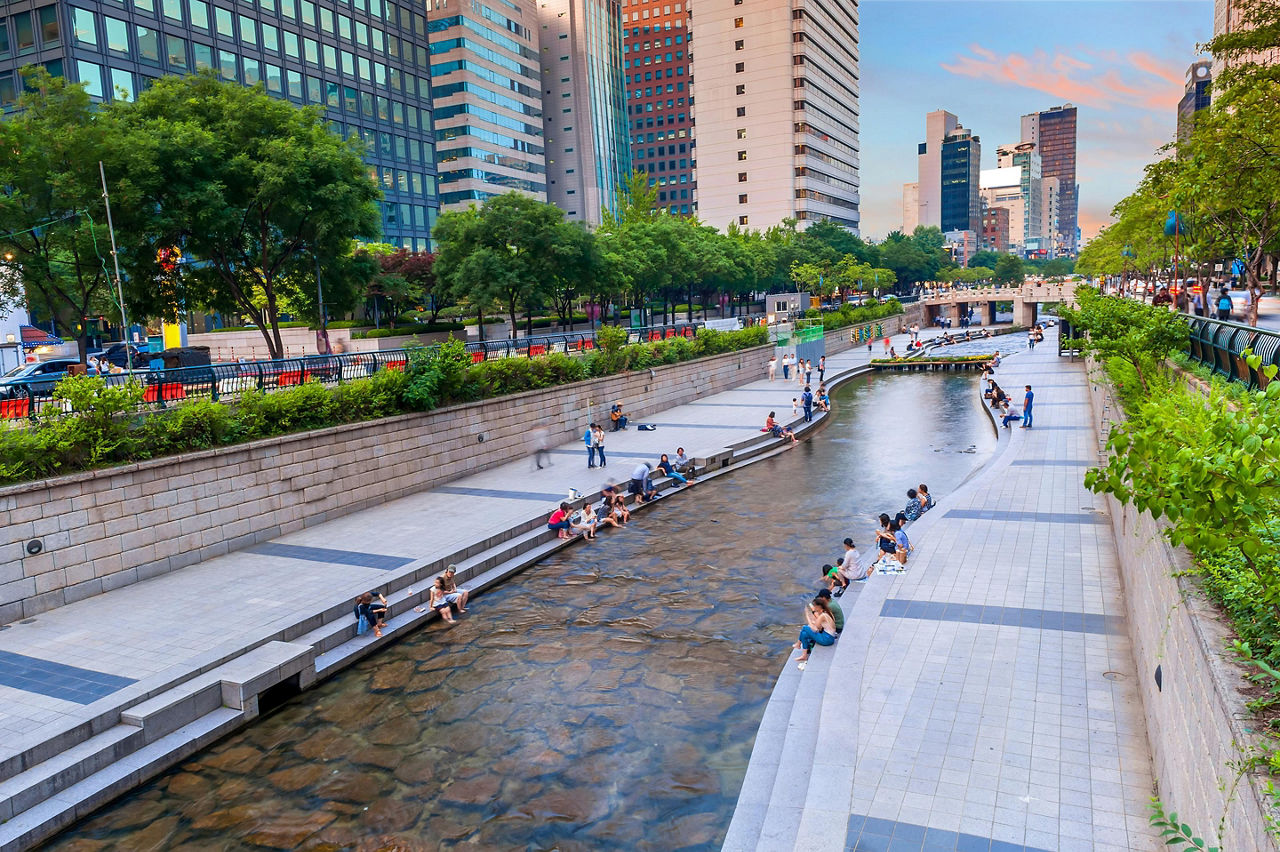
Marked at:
<point>741,89</point>
<point>742,198</point>
<point>91,75</point>
<point>737,23</point>
<point>742,155</point>
<point>739,45</point>
<point>275,84</point>
<point>252,71</point>
<point>248,31</point>
<point>25,34</point>
<point>742,133</point>
<point>122,85</point>
<point>315,90</point>
<point>117,36</point>
<point>172,10</point>
<point>308,12</point>
<point>84,27</point>
<point>270,38</point>
<point>742,220</point>
<point>742,111</point>
<point>176,49</point>
<point>147,6</point>
<point>311,51</point>
<point>48,24</point>
<point>226,26</point>
<point>742,177</point>
<point>330,58</point>
<point>148,45</point>
<point>198,11</point>
<point>226,64</point>
<point>290,44</point>
<point>739,67</point>
<point>294,82</point>
<point>202,54</point>
<point>4,42</point>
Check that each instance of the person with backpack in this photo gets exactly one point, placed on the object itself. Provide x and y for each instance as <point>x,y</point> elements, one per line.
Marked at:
<point>1224,304</point>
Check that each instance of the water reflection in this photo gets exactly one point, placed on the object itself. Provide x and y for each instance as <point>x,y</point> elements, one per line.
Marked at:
<point>606,699</point>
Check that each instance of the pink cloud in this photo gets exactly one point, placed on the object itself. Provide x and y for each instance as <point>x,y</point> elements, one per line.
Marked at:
<point>1076,76</point>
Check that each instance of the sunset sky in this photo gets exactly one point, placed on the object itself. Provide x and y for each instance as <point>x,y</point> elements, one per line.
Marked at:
<point>1121,63</point>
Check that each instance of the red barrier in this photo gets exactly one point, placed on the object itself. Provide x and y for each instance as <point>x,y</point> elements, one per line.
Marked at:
<point>290,378</point>
<point>477,357</point>
<point>398,366</point>
<point>537,350</point>
<point>12,409</point>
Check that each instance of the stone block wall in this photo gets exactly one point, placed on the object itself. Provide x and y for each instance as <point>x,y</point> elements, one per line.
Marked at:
<point>108,528</point>
<point>1196,719</point>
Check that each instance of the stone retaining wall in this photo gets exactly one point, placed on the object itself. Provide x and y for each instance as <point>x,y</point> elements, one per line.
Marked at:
<point>108,528</point>
<point>1196,718</point>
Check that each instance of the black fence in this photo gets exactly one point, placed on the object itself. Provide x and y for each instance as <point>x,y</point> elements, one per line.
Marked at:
<point>1218,344</point>
<point>164,387</point>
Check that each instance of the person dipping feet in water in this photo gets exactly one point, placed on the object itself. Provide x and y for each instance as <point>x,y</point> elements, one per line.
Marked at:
<point>457,597</point>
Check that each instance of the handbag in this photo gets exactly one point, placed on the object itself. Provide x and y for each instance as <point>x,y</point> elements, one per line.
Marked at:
<point>362,626</point>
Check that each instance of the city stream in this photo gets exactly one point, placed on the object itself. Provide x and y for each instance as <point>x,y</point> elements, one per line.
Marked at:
<point>607,698</point>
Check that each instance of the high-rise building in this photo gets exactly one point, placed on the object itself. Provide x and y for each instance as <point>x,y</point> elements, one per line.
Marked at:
<point>778,119</point>
<point>1026,160</point>
<point>1002,188</point>
<point>1228,18</point>
<point>910,207</point>
<point>961,155</point>
<point>1050,216</point>
<point>655,49</point>
<point>486,90</point>
<point>995,229</point>
<point>365,63</point>
<point>1053,132</point>
<point>1195,96</point>
<point>948,169</point>
<point>584,105</point>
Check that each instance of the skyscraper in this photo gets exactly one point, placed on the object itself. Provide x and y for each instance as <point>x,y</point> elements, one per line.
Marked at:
<point>486,90</point>
<point>1195,96</point>
<point>1227,18</point>
<point>1002,189</point>
<point>584,108</point>
<point>365,63</point>
<point>948,169</point>
<point>1026,160</point>
<point>1053,132</point>
<point>778,119</point>
<point>655,47</point>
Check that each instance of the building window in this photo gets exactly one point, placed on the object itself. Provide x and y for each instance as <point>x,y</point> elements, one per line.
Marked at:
<point>742,220</point>
<point>737,23</point>
<point>117,36</point>
<point>198,12</point>
<point>742,198</point>
<point>203,55</point>
<point>226,27</point>
<point>48,24</point>
<point>742,89</point>
<point>742,177</point>
<point>742,133</point>
<point>85,29</point>
<point>121,85</point>
<point>148,45</point>
<point>739,67</point>
<point>739,45</point>
<point>742,155</point>
<point>91,75</point>
<point>226,65</point>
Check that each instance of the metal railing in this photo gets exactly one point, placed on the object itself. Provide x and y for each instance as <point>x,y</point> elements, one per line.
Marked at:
<point>1218,344</point>
<point>163,387</point>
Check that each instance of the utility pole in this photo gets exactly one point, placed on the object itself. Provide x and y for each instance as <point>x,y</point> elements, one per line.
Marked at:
<point>124,321</point>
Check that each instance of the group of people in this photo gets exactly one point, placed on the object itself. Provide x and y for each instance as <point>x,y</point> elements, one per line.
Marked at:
<point>824,619</point>
<point>1000,402</point>
<point>1035,335</point>
<point>613,509</point>
<point>804,368</point>
<point>947,340</point>
<point>445,597</point>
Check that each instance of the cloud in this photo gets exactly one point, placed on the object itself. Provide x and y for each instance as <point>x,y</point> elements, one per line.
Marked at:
<point>1083,77</point>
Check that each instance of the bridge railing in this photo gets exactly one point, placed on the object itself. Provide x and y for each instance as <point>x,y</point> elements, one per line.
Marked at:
<point>1218,344</point>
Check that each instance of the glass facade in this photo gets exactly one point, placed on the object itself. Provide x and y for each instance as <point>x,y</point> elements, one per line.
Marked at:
<point>655,44</point>
<point>607,96</point>
<point>1056,142</point>
<point>960,211</point>
<point>365,61</point>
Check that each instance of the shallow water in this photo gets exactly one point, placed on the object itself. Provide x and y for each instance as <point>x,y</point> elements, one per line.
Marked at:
<point>605,699</point>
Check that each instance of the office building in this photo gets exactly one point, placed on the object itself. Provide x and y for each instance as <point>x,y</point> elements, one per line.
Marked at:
<point>1053,132</point>
<point>995,229</point>
<point>948,170</point>
<point>1195,96</point>
<point>655,50</point>
<point>778,131</point>
<point>1002,188</point>
<point>584,105</point>
<point>365,64</point>
<point>910,207</point>
<point>485,90</point>
<point>961,245</point>
<point>1026,160</point>
<point>1050,218</point>
<point>1228,18</point>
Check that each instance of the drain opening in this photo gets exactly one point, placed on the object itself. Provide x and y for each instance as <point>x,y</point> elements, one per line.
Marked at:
<point>274,697</point>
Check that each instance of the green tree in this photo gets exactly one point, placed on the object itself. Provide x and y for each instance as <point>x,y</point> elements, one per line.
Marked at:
<point>1057,269</point>
<point>252,186</point>
<point>1141,335</point>
<point>984,258</point>
<point>1008,270</point>
<point>51,207</point>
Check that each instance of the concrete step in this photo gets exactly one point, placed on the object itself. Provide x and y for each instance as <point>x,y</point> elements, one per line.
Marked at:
<point>77,801</point>
<point>29,788</point>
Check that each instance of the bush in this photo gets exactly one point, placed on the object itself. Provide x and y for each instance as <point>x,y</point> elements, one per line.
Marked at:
<point>414,328</point>
<point>347,324</point>
<point>196,424</point>
<point>290,324</point>
<point>380,395</point>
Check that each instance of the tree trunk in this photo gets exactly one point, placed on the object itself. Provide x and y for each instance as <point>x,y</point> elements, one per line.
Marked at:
<point>511,313</point>
<point>479,322</point>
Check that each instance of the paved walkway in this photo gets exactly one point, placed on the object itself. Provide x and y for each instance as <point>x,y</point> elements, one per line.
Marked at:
<point>987,698</point>
<point>68,665</point>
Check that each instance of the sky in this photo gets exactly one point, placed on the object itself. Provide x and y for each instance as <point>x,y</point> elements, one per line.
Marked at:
<point>1122,64</point>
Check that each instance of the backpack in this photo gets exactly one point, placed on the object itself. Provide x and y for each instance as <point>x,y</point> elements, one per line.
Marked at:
<point>1224,303</point>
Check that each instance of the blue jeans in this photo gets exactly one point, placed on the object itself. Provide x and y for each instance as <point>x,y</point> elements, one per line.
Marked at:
<point>1009,418</point>
<point>786,371</point>
<point>591,456</point>
<point>561,525</point>
<point>808,413</point>
<point>810,637</point>
<point>678,478</point>
<point>1026,417</point>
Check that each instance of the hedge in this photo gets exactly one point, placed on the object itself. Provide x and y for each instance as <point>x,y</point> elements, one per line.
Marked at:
<point>103,426</point>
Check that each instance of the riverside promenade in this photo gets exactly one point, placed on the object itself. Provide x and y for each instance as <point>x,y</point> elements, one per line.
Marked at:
<point>194,646</point>
<point>986,699</point>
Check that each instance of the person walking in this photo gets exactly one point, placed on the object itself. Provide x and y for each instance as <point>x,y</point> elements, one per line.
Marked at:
<point>822,369</point>
<point>806,399</point>
<point>772,366</point>
<point>1026,408</point>
<point>1224,304</point>
<point>588,438</point>
<point>786,367</point>
<point>1197,302</point>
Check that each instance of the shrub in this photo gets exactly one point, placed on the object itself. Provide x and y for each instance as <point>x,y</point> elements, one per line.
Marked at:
<point>196,424</point>
<point>422,392</point>
<point>289,324</point>
<point>380,395</point>
<point>412,328</point>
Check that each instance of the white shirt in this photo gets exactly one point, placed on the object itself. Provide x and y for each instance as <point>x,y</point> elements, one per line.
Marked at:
<point>852,565</point>
<point>641,472</point>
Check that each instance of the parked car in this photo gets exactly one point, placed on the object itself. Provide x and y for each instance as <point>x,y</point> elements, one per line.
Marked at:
<point>119,355</point>
<point>36,379</point>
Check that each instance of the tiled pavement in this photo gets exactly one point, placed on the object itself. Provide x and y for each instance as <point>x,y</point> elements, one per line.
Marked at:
<point>987,698</point>
<point>63,666</point>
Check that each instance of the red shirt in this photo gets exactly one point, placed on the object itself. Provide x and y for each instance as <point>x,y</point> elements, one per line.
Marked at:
<point>557,516</point>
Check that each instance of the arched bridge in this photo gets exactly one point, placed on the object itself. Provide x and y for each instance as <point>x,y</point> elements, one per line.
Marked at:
<point>1026,298</point>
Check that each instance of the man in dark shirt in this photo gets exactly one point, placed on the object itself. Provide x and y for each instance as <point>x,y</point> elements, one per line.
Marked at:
<point>807,399</point>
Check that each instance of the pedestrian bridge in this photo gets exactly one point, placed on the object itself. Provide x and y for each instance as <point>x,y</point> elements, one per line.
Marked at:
<point>955,302</point>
